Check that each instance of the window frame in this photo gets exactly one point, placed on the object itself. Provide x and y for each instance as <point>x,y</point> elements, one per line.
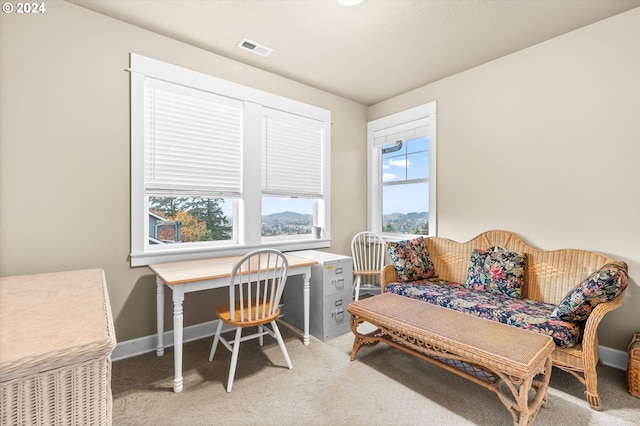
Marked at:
<point>247,209</point>
<point>421,115</point>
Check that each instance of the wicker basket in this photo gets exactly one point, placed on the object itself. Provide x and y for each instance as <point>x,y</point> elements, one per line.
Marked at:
<point>56,338</point>
<point>633,370</point>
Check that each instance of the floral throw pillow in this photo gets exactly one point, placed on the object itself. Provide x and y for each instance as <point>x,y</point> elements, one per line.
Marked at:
<point>604,285</point>
<point>411,259</point>
<point>496,270</point>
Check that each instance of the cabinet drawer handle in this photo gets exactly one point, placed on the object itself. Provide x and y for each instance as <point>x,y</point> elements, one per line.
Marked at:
<point>339,315</point>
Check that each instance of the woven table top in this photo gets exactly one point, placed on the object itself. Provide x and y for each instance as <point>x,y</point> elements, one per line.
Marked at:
<point>51,320</point>
<point>509,349</point>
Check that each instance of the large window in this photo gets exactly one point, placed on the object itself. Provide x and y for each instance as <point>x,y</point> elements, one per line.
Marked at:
<point>220,168</point>
<point>402,173</point>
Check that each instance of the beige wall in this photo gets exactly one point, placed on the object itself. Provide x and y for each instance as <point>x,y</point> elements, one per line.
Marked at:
<point>546,143</point>
<point>64,151</point>
<point>542,142</point>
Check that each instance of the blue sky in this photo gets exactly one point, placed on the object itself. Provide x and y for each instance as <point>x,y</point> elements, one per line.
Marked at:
<point>405,161</point>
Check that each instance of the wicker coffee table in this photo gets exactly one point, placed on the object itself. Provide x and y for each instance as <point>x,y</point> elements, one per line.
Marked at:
<point>506,360</point>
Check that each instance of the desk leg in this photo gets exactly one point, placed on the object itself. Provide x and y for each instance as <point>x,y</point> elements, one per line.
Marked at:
<point>178,299</point>
<point>160,316</point>
<point>306,291</point>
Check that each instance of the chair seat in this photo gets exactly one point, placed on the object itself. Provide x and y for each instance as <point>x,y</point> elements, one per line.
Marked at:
<point>367,272</point>
<point>364,287</point>
<point>224,313</point>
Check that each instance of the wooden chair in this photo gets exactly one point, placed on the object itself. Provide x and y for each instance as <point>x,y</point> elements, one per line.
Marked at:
<point>255,289</point>
<point>367,251</point>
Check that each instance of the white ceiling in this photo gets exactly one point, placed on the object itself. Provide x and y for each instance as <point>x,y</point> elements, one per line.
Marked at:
<point>367,53</point>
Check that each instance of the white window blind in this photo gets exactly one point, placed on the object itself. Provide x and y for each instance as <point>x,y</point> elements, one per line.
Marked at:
<point>401,132</point>
<point>193,142</point>
<point>292,160</point>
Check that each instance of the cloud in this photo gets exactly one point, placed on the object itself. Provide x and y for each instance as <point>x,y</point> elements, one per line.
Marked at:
<point>388,176</point>
<point>400,163</point>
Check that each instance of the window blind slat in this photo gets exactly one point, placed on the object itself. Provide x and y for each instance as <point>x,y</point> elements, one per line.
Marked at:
<point>193,142</point>
<point>292,156</point>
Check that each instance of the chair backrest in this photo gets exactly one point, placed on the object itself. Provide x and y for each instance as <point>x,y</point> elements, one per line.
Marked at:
<point>257,283</point>
<point>367,251</point>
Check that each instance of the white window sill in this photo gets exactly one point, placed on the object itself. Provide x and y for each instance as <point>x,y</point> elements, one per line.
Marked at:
<point>176,255</point>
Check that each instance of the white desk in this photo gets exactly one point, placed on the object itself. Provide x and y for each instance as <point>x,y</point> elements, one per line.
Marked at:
<point>196,275</point>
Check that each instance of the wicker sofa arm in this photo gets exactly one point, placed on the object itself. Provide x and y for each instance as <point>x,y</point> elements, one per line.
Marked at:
<point>587,362</point>
<point>389,275</point>
<point>590,337</point>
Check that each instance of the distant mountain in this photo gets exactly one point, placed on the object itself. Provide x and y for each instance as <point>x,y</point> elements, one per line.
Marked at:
<point>406,216</point>
<point>409,223</point>
<point>287,216</point>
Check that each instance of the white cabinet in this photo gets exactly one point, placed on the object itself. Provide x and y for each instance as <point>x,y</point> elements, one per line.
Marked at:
<point>331,280</point>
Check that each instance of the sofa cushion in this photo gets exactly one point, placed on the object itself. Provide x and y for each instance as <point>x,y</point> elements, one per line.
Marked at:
<point>496,270</point>
<point>411,259</point>
<point>522,313</point>
<point>604,285</point>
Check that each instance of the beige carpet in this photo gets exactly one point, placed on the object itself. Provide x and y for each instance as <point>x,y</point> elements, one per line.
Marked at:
<point>383,386</point>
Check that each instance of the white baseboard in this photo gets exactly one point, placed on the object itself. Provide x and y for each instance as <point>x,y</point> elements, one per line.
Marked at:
<point>610,357</point>
<point>146,344</point>
<point>614,358</point>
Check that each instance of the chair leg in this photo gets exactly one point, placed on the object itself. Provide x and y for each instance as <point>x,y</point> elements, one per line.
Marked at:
<point>357,295</point>
<point>215,340</point>
<point>261,338</point>
<point>234,358</point>
<point>276,330</point>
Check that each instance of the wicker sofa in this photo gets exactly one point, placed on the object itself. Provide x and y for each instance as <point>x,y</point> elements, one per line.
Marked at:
<point>562,293</point>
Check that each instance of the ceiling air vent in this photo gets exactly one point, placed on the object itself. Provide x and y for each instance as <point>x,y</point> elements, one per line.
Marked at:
<point>254,47</point>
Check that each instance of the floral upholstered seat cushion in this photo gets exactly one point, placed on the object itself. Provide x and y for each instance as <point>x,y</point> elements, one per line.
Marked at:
<point>496,270</point>
<point>522,313</point>
<point>604,285</point>
<point>410,259</point>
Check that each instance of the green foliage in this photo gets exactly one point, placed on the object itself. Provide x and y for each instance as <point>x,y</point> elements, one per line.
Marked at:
<point>203,218</point>
<point>388,227</point>
<point>423,230</point>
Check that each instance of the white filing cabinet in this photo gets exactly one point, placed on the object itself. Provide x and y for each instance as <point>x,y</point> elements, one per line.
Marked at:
<point>330,288</point>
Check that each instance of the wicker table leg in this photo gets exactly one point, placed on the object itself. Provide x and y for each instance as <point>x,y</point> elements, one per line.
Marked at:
<point>521,408</point>
<point>360,339</point>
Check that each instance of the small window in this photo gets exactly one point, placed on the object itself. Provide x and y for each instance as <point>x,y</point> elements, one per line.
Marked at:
<point>401,173</point>
<point>405,187</point>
